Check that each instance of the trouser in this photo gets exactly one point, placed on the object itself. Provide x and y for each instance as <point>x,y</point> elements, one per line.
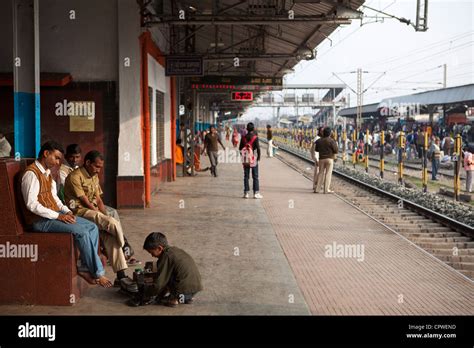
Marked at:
<point>469,175</point>
<point>434,168</point>
<point>325,173</point>
<point>255,182</point>
<point>112,236</point>
<point>86,238</point>
<point>213,159</point>
<point>419,149</point>
<point>315,176</point>
<point>270,148</point>
<point>127,248</point>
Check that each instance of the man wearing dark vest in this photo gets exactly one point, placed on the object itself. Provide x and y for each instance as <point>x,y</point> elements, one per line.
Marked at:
<point>44,212</point>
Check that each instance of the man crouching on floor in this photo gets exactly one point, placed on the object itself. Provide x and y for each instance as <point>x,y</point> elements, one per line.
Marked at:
<point>177,272</point>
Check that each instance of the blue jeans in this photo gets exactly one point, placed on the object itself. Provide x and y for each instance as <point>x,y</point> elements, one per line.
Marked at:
<point>434,168</point>
<point>86,237</point>
<point>256,186</point>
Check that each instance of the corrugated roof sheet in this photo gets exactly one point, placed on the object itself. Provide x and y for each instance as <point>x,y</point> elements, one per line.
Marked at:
<point>449,95</point>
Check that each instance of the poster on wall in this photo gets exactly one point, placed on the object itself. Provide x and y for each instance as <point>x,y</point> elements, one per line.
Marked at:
<point>81,115</point>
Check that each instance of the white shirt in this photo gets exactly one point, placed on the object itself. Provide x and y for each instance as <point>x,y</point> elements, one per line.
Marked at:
<point>30,187</point>
<point>5,147</point>
<point>63,174</point>
<point>316,154</point>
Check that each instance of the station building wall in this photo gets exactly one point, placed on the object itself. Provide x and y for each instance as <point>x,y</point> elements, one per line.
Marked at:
<point>100,49</point>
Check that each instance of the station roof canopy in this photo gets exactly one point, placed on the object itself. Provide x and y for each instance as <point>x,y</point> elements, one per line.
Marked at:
<point>451,95</point>
<point>269,37</point>
<point>446,96</point>
<point>367,111</point>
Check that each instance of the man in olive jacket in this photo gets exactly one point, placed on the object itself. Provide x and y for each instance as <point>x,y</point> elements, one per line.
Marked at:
<point>327,148</point>
<point>177,271</point>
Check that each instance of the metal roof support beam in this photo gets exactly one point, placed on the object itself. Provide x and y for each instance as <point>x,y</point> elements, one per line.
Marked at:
<point>189,35</point>
<point>242,58</point>
<point>225,9</point>
<point>282,39</point>
<point>260,21</point>
<point>310,36</point>
<point>239,43</point>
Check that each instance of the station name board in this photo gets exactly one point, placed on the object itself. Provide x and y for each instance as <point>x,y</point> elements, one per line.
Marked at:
<point>184,66</point>
<point>211,86</point>
<point>239,80</point>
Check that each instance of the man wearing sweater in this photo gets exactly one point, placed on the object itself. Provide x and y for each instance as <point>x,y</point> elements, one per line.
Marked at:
<point>44,212</point>
<point>327,148</point>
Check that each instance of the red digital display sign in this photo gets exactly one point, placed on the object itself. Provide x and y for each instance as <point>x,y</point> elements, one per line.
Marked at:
<point>243,96</point>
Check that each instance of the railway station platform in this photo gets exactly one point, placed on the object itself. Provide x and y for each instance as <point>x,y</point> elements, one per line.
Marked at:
<point>291,253</point>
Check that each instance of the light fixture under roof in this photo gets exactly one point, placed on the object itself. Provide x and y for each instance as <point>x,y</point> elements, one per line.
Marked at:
<point>287,71</point>
<point>213,44</point>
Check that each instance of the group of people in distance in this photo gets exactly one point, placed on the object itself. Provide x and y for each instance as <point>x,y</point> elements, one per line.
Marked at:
<point>81,212</point>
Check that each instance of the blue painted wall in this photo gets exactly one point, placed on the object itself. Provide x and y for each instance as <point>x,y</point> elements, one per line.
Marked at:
<point>27,124</point>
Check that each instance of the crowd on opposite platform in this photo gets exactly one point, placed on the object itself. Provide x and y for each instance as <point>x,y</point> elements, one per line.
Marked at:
<point>440,145</point>
<point>72,203</point>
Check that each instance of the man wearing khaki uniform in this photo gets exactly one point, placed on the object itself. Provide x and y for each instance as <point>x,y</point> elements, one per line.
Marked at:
<point>82,194</point>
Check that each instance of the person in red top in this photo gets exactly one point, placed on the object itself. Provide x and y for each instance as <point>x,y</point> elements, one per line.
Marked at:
<point>468,167</point>
<point>251,136</point>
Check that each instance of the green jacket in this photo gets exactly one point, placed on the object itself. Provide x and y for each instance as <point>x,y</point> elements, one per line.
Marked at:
<point>177,273</point>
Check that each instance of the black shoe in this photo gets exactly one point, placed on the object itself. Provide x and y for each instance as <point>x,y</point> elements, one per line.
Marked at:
<point>189,301</point>
<point>137,302</point>
<point>133,302</point>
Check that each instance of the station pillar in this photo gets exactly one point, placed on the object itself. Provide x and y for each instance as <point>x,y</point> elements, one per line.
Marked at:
<point>26,78</point>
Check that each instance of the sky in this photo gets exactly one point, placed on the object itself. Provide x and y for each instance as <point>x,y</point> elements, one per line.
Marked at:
<point>398,60</point>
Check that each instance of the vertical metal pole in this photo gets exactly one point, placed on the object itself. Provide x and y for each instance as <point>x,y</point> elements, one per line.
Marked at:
<point>359,101</point>
<point>445,75</point>
<point>382,150</point>
<point>354,147</point>
<point>425,163</point>
<point>457,167</point>
<point>367,150</point>
<point>344,138</point>
<point>401,145</point>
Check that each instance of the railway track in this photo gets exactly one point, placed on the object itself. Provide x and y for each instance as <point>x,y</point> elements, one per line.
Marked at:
<point>444,238</point>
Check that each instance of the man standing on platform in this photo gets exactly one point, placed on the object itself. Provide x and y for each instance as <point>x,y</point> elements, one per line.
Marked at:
<point>315,158</point>
<point>270,141</point>
<point>44,212</point>
<point>327,148</point>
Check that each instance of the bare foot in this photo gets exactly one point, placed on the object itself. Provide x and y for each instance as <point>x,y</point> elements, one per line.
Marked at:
<point>104,282</point>
<point>87,277</point>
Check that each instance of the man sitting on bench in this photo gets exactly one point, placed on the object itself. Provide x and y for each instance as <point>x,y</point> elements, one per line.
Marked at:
<point>82,193</point>
<point>73,159</point>
<point>44,212</point>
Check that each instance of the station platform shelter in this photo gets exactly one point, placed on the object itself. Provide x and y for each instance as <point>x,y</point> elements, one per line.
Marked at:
<point>269,256</point>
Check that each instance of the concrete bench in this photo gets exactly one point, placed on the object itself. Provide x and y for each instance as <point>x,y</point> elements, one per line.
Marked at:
<point>52,279</point>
